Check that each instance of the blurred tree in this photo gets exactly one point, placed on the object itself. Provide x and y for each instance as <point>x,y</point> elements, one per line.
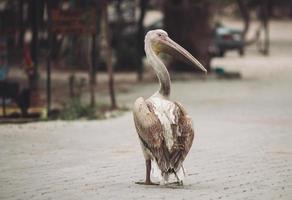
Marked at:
<point>140,38</point>
<point>35,15</point>
<point>36,9</point>
<point>21,23</point>
<point>263,15</point>
<point>106,38</point>
<point>245,16</point>
<point>188,23</point>
<point>264,10</point>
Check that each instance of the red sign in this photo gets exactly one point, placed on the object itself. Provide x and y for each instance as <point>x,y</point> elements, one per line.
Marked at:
<point>74,21</point>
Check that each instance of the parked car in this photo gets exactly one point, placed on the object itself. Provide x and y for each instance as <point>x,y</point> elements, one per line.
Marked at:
<point>155,25</point>
<point>226,39</point>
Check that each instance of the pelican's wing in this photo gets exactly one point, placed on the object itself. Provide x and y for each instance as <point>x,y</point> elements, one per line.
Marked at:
<point>184,135</point>
<point>150,132</point>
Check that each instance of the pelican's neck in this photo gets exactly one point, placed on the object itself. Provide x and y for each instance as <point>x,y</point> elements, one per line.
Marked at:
<point>159,69</point>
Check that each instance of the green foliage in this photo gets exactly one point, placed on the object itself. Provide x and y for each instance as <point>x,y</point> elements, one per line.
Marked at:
<point>74,110</point>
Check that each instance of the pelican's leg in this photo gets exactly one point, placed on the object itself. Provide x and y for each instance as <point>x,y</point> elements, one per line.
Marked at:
<point>179,182</point>
<point>183,170</point>
<point>148,170</point>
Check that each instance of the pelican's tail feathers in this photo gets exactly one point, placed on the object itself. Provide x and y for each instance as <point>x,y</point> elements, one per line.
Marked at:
<point>164,177</point>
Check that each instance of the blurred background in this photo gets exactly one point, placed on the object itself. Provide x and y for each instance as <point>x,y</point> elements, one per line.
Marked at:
<point>72,59</point>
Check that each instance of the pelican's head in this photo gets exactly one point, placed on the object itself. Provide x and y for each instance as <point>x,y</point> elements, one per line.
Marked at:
<point>160,42</point>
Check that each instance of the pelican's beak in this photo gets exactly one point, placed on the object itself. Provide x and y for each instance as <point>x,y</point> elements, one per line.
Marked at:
<point>169,46</point>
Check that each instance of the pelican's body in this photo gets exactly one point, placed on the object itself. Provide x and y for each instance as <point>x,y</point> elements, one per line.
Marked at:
<point>163,126</point>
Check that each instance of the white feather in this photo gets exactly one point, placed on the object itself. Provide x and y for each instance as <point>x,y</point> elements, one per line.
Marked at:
<point>164,110</point>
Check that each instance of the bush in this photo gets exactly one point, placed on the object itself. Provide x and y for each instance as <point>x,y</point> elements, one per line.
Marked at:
<point>74,110</point>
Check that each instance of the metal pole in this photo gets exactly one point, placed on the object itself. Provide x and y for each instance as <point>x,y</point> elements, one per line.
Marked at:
<point>92,72</point>
<point>50,40</point>
<point>93,55</point>
<point>35,43</point>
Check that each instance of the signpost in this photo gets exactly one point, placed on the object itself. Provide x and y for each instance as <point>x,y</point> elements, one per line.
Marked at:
<point>74,21</point>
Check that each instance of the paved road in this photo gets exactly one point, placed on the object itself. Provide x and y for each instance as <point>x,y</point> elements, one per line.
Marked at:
<point>242,149</point>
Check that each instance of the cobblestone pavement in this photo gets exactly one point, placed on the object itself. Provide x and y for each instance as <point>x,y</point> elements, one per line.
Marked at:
<point>242,149</point>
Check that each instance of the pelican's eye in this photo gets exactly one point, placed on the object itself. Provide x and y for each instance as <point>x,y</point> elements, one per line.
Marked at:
<point>159,34</point>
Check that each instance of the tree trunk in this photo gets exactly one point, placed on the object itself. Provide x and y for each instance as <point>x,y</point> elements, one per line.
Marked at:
<point>21,24</point>
<point>108,52</point>
<point>34,75</point>
<point>91,63</point>
<point>264,18</point>
<point>33,78</point>
<point>140,39</point>
<point>188,23</point>
<point>245,15</point>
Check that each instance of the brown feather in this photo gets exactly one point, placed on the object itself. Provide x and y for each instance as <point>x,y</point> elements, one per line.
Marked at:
<point>150,131</point>
<point>184,140</point>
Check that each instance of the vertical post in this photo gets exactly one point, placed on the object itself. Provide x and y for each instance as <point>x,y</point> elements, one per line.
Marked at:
<point>92,71</point>
<point>92,61</point>
<point>21,25</point>
<point>50,40</point>
<point>35,26</point>
<point>94,54</point>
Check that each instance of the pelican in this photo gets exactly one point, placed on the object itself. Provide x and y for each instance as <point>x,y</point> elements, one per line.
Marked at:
<point>164,128</point>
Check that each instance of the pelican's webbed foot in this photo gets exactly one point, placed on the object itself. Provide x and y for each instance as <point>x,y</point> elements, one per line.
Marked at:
<point>148,180</point>
<point>146,183</point>
<point>177,183</point>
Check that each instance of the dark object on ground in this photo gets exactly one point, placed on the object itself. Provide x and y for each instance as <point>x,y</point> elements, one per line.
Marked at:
<point>16,118</point>
<point>226,39</point>
<point>10,90</point>
<point>54,114</point>
<point>23,101</point>
<point>222,74</point>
